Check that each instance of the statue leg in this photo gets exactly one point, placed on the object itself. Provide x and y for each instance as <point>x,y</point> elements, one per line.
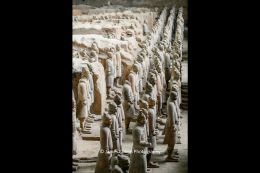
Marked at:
<point>170,149</point>
<point>149,163</point>
<point>82,123</point>
<point>169,155</point>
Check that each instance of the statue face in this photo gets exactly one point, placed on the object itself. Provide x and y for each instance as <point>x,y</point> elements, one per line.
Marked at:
<point>142,120</point>
<point>159,68</point>
<point>135,68</point>
<point>108,122</point>
<point>151,102</point>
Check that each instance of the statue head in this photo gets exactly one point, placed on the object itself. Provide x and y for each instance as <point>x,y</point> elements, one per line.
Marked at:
<point>174,87</point>
<point>173,95</point>
<point>159,67</point>
<point>93,56</point>
<point>143,53</point>
<point>143,104</point>
<point>94,44</point>
<point>177,64</point>
<point>106,119</point>
<point>145,112</point>
<point>139,58</point>
<point>148,88</point>
<point>85,72</point>
<point>135,68</point>
<point>109,55</point>
<point>161,46</point>
<point>176,55</point>
<point>176,74</point>
<point>112,49</point>
<point>117,99</point>
<point>112,108</point>
<point>141,118</point>
<point>127,82</point>
<point>169,49</point>
<point>152,79</point>
<point>151,102</point>
<point>118,48</point>
<point>75,54</point>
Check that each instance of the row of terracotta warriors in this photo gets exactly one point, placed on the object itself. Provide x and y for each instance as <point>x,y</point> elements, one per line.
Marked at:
<point>144,107</point>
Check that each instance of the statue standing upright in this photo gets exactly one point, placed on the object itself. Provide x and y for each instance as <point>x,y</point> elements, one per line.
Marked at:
<point>138,163</point>
<point>104,155</point>
<point>171,127</point>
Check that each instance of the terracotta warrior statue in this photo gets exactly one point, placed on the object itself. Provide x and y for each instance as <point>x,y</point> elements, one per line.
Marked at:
<point>91,84</point>
<point>152,133</point>
<point>110,72</point>
<point>152,81</point>
<point>128,104</point>
<point>171,127</point>
<point>168,66</point>
<point>118,65</point>
<point>83,99</point>
<point>144,109</point>
<point>119,115</point>
<point>175,88</point>
<point>115,164</point>
<point>133,79</point>
<point>104,155</point>
<point>140,77</point>
<point>93,57</point>
<point>138,163</point>
<point>115,130</point>
<point>161,76</point>
<point>145,28</point>
<point>113,55</point>
<point>94,47</point>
